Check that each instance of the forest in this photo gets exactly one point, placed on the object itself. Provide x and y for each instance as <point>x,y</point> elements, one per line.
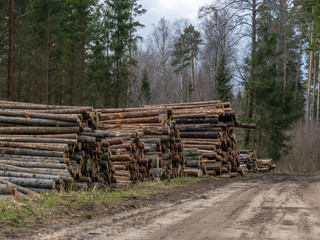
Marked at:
<point>261,55</point>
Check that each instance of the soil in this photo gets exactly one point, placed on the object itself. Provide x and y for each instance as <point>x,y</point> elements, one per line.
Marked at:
<point>276,206</point>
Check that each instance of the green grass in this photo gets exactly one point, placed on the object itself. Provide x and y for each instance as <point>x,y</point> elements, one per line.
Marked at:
<point>27,211</point>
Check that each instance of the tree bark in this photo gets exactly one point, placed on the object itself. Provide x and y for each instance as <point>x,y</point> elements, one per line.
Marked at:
<point>298,71</point>
<point>318,98</point>
<point>251,97</point>
<point>310,66</point>
<point>48,50</point>
<point>11,52</point>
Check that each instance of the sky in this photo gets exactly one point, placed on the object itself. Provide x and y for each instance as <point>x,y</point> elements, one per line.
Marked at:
<point>171,10</point>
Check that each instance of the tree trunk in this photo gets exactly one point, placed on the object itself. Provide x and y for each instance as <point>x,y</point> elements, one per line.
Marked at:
<point>11,53</point>
<point>307,113</point>
<point>313,109</point>
<point>48,60</point>
<point>318,97</point>
<point>298,71</point>
<point>251,97</point>
<point>82,72</point>
<point>19,76</point>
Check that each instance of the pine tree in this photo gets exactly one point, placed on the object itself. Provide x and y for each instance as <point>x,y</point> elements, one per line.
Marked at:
<point>122,24</point>
<point>223,81</point>
<point>185,54</point>
<point>274,104</point>
<point>145,94</point>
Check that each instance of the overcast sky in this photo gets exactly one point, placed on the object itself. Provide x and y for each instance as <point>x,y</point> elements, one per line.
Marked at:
<point>171,10</point>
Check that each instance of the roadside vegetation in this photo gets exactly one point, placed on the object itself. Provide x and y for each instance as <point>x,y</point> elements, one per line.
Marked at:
<point>45,208</point>
<point>304,156</point>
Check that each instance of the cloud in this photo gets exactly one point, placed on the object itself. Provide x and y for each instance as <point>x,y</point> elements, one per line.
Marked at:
<point>171,10</point>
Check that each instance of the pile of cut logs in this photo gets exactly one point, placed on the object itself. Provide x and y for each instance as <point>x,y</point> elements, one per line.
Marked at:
<point>248,161</point>
<point>49,148</point>
<point>251,164</point>
<point>208,128</point>
<point>155,152</point>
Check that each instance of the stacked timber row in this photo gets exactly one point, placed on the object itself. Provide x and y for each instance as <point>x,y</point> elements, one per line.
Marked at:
<point>193,163</point>
<point>47,148</point>
<point>207,127</point>
<point>124,156</point>
<point>248,161</point>
<point>266,165</point>
<point>161,150</point>
<point>251,164</point>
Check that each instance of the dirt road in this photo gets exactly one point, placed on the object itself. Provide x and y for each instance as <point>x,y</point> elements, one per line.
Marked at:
<point>265,207</point>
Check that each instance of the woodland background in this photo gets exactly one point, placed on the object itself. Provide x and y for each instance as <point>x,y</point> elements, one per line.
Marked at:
<point>262,55</point>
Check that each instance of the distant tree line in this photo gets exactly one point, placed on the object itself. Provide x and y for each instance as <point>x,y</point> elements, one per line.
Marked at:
<point>261,55</point>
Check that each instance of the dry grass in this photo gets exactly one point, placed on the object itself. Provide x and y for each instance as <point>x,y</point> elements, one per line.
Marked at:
<point>305,154</point>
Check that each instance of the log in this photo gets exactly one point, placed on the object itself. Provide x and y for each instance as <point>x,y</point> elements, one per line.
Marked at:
<point>135,114</point>
<point>19,188</point>
<point>56,178</point>
<point>34,164</point>
<point>214,135</point>
<point>196,120</point>
<point>36,158</point>
<point>31,182</point>
<point>26,138</point>
<point>31,152</point>
<point>60,117</point>
<point>155,119</point>
<point>37,122</point>
<point>8,190</point>
<point>38,130</point>
<point>37,146</point>
<point>201,147</point>
<point>123,157</point>
<point>194,127</point>
<point>62,173</point>
<point>192,172</point>
<point>193,163</point>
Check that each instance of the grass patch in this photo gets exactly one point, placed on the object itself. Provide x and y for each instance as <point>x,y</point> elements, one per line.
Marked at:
<point>27,211</point>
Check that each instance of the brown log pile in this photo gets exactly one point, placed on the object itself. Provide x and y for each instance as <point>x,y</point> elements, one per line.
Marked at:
<point>251,164</point>
<point>208,127</point>
<point>46,148</point>
<point>159,152</point>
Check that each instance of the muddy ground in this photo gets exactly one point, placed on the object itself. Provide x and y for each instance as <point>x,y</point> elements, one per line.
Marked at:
<point>279,206</point>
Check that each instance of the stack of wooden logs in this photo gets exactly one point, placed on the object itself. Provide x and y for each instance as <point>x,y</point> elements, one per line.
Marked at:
<point>207,126</point>
<point>193,164</point>
<point>47,148</point>
<point>159,153</point>
<point>248,161</point>
<point>124,155</point>
<point>251,164</point>
<point>266,165</point>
